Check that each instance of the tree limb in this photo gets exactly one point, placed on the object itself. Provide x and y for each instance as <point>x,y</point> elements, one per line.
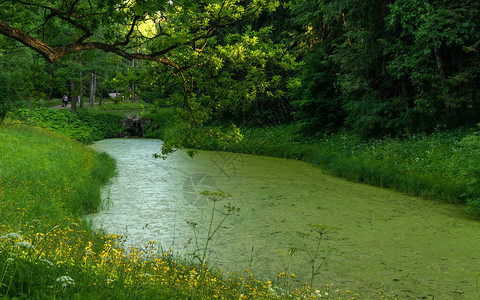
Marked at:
<point>45,50</point>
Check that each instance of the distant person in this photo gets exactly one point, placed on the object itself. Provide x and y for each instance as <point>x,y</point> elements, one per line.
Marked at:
<point>65,101</point>
<point>78,99</point>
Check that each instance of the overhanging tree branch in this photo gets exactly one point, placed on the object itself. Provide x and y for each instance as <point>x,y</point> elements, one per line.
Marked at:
<point>119,43</point>
<point>45,50</point>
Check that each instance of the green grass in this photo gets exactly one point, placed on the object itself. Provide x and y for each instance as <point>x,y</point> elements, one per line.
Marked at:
<point>40,177</point>
<point>50,103</point>
<point>123,106</point>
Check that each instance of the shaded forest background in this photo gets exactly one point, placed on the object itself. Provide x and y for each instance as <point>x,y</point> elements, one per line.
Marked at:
<point>377,67</point>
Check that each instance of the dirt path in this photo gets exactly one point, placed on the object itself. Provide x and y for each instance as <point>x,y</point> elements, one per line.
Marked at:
<point>69,106</point>
<point>61,107</point>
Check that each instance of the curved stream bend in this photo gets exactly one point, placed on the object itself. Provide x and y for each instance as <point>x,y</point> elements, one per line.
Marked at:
<point>387,241</point>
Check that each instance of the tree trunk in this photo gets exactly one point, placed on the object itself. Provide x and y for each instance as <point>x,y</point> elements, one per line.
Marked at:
<point>116,87</point>
<point>81,89</point>
<point>93,87</point>
<point>73,96</point>
<point>134,97</point>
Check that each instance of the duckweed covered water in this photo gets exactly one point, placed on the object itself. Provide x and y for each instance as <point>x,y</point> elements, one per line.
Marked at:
<point>386,241</point>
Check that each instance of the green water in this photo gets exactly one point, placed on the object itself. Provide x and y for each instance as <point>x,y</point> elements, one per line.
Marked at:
<point>403,246</point>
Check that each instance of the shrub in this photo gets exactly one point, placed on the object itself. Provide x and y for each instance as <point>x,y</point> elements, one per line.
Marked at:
<point>59,120</point>
<point>161,119</point>
<point>104,124</point>
<point>86,126</point>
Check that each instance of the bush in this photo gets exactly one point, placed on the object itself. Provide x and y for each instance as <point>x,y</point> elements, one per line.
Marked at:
<point>86,126</point>
<point>59,120</point>
<point>161,119</point>
<point>104,124</point>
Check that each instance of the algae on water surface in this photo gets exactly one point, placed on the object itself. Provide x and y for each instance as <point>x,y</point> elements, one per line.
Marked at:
<point>389,242</point>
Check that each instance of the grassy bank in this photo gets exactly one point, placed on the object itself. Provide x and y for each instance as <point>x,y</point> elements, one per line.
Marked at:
<point>47,251</point>
<point>443,165</point>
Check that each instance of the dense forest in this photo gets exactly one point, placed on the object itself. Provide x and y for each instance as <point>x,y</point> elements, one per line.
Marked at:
<point>379,67</point>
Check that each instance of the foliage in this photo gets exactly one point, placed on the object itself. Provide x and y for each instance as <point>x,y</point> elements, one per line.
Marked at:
<point>400,67</point>
<point>50,103</point>
<point>247,77</point>
<point>86,126</point>
<point>381,68</point>
<point>319,107</point>
<point>158,32</point>
<point>104,124</point>
<point>22,79</point>
<point>58,120</point>
<point>161,118</point>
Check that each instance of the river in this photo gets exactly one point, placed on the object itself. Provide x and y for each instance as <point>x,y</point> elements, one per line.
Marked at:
<point>378,240</point>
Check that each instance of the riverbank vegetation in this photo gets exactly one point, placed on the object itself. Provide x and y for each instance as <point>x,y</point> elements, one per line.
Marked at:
<point>442,165</point>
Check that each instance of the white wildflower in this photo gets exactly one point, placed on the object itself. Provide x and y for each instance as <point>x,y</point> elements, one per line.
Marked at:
<point>10,260</point>
<point>272,291</point>
<point>109,281</point>
<point>11,236</point>
<point>24,244</point>
<point>65,281</point>
<point>47,262</point>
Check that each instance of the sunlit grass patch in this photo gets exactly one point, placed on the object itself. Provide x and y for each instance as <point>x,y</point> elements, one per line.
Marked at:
<point>44,175</point>
<point>123,106</point>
